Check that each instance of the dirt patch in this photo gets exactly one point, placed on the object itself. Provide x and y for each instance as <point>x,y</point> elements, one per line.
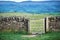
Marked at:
<point>28,35</point>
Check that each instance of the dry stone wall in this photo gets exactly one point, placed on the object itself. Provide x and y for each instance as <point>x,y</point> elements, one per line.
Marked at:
<point>54,23</point>
<point>13,23</point>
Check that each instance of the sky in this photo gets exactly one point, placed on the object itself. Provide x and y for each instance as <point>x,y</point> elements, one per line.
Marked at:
<point>28,0</point>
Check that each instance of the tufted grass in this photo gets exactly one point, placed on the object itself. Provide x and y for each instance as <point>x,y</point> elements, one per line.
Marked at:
<point>47,36</point>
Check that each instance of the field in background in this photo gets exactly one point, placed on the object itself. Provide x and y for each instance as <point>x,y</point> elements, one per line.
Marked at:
<point>29,15</point>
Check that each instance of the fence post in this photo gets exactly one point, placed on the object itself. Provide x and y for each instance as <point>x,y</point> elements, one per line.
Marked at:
<point>47,24</point>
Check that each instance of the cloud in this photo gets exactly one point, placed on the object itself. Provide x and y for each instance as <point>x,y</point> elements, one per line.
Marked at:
<point>19,0</point>
<point>45,0</point>
<point>28,0</point>
<point>40,0</point>
<point>14,0</point>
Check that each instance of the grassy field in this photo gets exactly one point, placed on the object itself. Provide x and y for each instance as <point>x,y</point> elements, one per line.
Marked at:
<point>31,17</point>
<point>47,36</point>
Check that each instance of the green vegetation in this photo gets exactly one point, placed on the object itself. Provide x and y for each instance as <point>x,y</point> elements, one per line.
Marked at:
<point>47,36</point>
<point>9,36</point>
<point>32,17</point>
<point>37,26</point>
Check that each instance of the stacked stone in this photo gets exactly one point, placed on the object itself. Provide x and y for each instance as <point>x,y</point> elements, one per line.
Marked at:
<point>13,23</point>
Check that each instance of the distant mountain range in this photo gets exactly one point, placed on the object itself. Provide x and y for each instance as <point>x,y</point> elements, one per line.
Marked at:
<point>30,6</point>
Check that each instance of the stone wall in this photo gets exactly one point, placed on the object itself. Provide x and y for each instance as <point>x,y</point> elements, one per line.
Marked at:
<point>54,23</point>
<point>13,23</point>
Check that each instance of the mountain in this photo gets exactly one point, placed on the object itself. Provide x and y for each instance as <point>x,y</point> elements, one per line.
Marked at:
<point>30,6</point>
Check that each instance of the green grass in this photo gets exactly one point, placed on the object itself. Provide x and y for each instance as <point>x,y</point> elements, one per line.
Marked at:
<point>17,36</point>
<point>47,36</point>
<point>36,25</point>
<point>10,36</point>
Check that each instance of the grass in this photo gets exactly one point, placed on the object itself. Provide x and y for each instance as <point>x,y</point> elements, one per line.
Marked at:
<point>47,36</point>
<point>17,36</point>
<point>10,36</point>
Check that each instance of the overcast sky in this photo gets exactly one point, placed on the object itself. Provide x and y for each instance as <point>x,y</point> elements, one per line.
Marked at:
<point>28,0</point>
